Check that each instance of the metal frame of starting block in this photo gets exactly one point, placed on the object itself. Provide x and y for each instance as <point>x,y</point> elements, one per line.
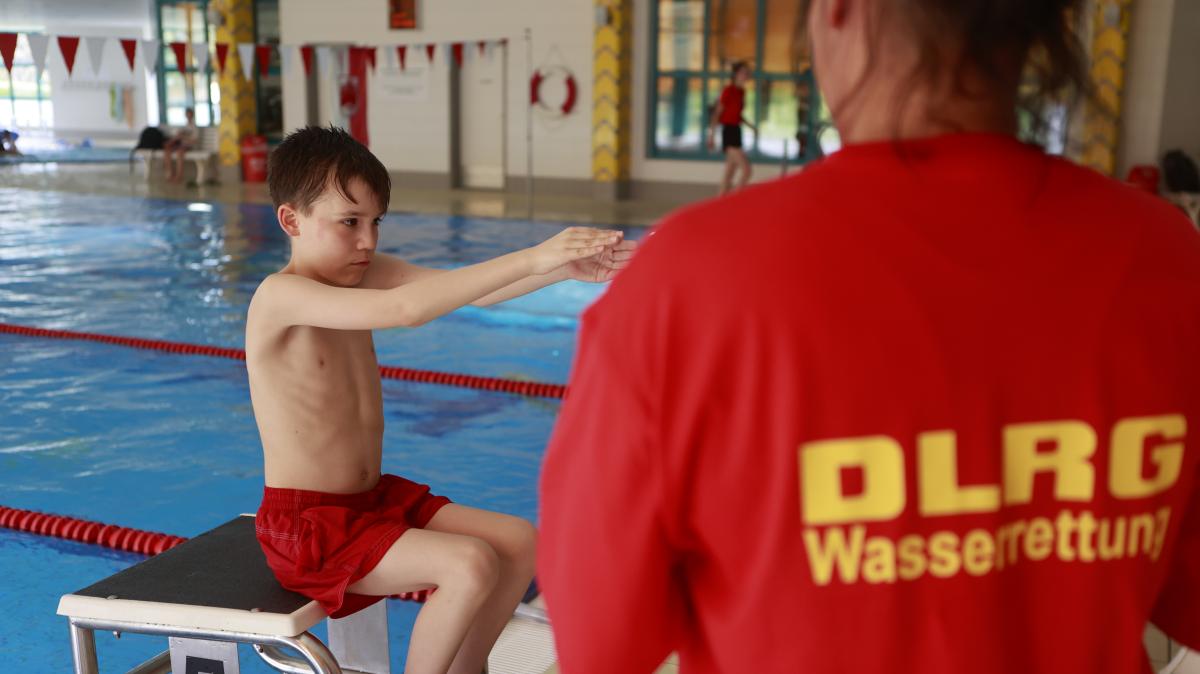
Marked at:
<point>211,593</point>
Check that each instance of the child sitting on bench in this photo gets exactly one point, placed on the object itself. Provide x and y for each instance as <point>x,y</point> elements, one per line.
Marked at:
<point>332,527</point>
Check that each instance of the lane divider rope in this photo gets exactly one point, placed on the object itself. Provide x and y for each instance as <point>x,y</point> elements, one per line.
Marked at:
<point>525,388</point>
<point>109,536</point>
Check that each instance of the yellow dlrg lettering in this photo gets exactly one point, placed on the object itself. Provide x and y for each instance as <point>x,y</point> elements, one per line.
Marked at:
<point>1074,475</point>
<point>823,499</point>
<point>1129,438</point>
<point>940,493</point>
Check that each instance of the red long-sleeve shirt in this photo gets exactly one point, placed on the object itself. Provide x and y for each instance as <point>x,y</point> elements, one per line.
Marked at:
<point>929,407</point>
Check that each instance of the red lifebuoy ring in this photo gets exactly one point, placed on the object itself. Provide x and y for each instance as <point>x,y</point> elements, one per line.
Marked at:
<point>535,91</point>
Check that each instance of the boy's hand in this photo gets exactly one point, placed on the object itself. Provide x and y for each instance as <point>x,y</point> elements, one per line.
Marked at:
<point>604,266</point>
<point>569,245</point>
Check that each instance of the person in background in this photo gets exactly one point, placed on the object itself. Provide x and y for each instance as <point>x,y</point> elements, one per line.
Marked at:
<point>178,145</point>
<point>727,116</point>
<point>929,405</point>
<point>8,142</point>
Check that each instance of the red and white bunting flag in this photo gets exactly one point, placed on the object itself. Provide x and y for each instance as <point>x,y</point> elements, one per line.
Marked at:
<point>246,56</point>
<point>325,58</point>
<point>457,50</point>
<point>200,52</point>
<point>264,58</point>
<point>402,54</point>
<point>306,55</point>
<point>287,58</point>
<point>430,50</point>
<point>222,56</point>
<point>370,52</point>
<point>483,45</point>
<point>95,50</point>
<point>129,47</point>
<point>8,47</point>
<point>181,59</point>
<point>39,46</point>
<point>150,54</point>
<point>67,46</point>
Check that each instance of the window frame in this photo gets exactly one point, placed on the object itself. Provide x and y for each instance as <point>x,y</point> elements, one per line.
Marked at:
<point>161,70</point>
<point>706,77</point>
<point>42,96</point>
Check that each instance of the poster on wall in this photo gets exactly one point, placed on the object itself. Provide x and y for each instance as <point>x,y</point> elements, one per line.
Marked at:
<point>402,14</point>
<point>403,86</point>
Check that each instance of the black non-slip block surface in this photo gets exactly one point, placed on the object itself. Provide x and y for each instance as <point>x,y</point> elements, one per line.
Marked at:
<point>223,568</point>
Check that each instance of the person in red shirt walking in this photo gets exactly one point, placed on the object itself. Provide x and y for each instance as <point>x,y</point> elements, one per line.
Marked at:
<point>934,407</point>
<point>728,116</point>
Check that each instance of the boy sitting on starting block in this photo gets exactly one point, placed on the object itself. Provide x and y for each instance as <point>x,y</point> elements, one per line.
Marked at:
<point>332,527</point>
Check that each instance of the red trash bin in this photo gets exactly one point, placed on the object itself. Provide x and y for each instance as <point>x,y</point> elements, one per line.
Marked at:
<point>254,159</point>
<point>1145,177</point>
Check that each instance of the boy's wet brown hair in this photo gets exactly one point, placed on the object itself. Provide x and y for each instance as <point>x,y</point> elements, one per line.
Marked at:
<point>314,157</point>
<point>1030,44</point>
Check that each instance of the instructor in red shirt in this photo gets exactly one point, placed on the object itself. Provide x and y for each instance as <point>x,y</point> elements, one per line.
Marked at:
<point>930,405</point>
<point>728,116</point>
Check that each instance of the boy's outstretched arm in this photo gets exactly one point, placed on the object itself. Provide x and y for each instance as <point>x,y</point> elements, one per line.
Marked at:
<point>392,272</point>
<point>290,299</point>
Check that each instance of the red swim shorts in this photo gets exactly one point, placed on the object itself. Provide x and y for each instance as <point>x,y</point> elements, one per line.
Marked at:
<point>319,544</point>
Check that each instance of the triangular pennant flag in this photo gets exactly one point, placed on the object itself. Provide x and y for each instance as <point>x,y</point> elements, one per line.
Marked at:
<point>95,50</point>
<point>200,51</point>
<point>402,54</point>
<point>287,55</point>
<point>457,49</point>
<point>369,52</point>
<point>264,59</point>
<point>39,45</point>
<point>430,50</point>
<point>150,54</point>
<point>246,56</point>
<point>180,49</point>
<point>306,55</point>
<point>68,46</point>
<point>8,47</point>
<point>325,59</point>
<point>130,49</point>
<point>483,45</point>
<point>222,54</point>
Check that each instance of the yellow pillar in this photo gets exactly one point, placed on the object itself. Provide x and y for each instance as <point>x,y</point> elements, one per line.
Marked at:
<point>612,75</point>
<point>1107,54</point>
<point>238,116</point>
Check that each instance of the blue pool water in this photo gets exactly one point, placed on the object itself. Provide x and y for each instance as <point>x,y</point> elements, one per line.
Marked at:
<point>168,443</point>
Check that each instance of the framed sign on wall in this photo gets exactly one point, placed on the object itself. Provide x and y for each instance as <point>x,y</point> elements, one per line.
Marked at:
<point>402,14</point>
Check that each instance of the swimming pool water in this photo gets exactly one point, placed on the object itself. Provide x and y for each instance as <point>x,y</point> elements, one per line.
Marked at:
<point>167,442</point>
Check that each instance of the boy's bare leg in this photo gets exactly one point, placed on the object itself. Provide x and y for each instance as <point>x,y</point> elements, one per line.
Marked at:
<point>730,167</point>
<point>465,571</point>
<point>514,541</point>
<point>744,165</point>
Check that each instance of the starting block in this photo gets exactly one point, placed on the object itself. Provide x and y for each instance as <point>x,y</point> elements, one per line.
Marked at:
<point>211,593</point>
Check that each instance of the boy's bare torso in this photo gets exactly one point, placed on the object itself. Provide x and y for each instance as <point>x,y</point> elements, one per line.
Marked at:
<point>316,390</point>
<point>317,399</point>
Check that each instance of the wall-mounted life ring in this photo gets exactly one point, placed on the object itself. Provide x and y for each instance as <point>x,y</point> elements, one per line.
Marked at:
<point>535,90</point>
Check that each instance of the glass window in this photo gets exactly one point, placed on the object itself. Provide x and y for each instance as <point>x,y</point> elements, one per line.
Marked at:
<point>678,121</point>
<point>697,42</point>
<point>185,22</point>
<point>681,35</point>
<point>732,32</point>
<point>268,89</point>
<point>783,36</point>
<point>25,97</point>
